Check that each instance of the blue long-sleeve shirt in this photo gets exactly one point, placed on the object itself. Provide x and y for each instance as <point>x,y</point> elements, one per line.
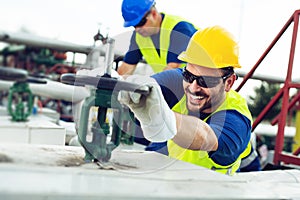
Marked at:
<point>232,129</point>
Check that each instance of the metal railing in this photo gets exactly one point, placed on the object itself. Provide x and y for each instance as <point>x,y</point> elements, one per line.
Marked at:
<point>284,94</point>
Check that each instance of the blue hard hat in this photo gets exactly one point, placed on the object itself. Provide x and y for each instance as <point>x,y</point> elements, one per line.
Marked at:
<point>134,10</point>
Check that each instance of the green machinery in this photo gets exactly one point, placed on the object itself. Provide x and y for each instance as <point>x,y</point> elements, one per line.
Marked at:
<point>104,96</point>
<point>20,97</point>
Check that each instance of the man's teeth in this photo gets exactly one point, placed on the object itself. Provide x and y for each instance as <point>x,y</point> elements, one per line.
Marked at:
<point>197,97</point>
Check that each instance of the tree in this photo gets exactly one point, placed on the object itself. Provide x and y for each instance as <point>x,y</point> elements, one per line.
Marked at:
<point>263,95</point>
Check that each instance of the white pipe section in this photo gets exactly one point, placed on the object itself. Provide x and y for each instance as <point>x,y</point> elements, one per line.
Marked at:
<point>43,42</point>
<point>265,77</point>
<point>54,90</point>
<point>5,85</point>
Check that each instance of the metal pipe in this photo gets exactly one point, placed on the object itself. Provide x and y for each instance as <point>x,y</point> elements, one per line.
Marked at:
<point>36,41</point>
<point>54,90</point>
<point>109,58</point>
<point>42,42</point>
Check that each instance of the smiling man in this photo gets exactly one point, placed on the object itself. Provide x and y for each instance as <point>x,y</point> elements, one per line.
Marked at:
<point>209,123</point>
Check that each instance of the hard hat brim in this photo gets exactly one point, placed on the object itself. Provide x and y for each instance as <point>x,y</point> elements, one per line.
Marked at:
<point>183,57</point>
<point>132,22</point>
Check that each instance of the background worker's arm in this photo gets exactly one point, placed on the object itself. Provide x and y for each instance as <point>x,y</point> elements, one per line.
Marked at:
<point>172,65</point>
<point>194,134</point>
<point>126,69</point>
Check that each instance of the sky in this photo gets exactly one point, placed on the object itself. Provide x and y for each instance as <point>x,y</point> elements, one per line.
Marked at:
<point>254,23</point>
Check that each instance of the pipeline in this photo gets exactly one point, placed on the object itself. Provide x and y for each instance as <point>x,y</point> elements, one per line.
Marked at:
<point>53,90</point>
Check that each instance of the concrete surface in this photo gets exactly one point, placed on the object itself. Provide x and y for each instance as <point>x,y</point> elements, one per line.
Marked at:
<point>58,172</point>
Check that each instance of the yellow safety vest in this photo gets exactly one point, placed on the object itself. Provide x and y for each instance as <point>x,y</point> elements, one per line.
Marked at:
<point>158,61</point>
<point>233,101</point>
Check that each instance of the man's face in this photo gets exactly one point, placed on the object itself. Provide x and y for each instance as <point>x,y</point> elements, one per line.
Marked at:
<point>201,98</point>
<point>149,25</point>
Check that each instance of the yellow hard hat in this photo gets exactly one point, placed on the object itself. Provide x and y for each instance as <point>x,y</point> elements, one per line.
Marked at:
<point>212,47</point>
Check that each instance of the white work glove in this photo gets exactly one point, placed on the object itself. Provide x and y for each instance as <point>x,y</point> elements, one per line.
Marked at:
<point>157,119</point>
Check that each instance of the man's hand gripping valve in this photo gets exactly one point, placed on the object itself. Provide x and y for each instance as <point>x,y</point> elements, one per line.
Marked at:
<point>157,120</point>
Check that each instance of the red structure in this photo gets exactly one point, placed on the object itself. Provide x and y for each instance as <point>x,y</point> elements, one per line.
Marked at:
<point>284,94</point>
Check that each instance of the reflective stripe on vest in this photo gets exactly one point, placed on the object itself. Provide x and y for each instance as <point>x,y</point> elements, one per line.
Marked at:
<point>158,62</point>
<point>233,101</point>
<point>249,159</point>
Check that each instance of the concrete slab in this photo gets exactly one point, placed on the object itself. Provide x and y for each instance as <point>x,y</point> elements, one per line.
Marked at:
<point>58,172</point>
<point>38,129</point>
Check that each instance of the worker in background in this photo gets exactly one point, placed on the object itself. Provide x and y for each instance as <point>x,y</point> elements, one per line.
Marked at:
<point>158,38</point>
<point>195,109</point>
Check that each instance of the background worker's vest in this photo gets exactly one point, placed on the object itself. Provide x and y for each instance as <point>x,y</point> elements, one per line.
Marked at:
<point>233,101</point>
<point>158,61</point>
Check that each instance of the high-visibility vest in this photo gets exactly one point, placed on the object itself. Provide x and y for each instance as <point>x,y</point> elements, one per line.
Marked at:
<point>233,101</point>
<point>158,61</point>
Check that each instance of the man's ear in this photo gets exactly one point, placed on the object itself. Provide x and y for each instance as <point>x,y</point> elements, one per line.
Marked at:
<point>229,82</point>
<point>154,13</point>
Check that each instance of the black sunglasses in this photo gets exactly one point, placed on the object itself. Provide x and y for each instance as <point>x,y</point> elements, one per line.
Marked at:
<point>143,20</point>
<point>203,81</point>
